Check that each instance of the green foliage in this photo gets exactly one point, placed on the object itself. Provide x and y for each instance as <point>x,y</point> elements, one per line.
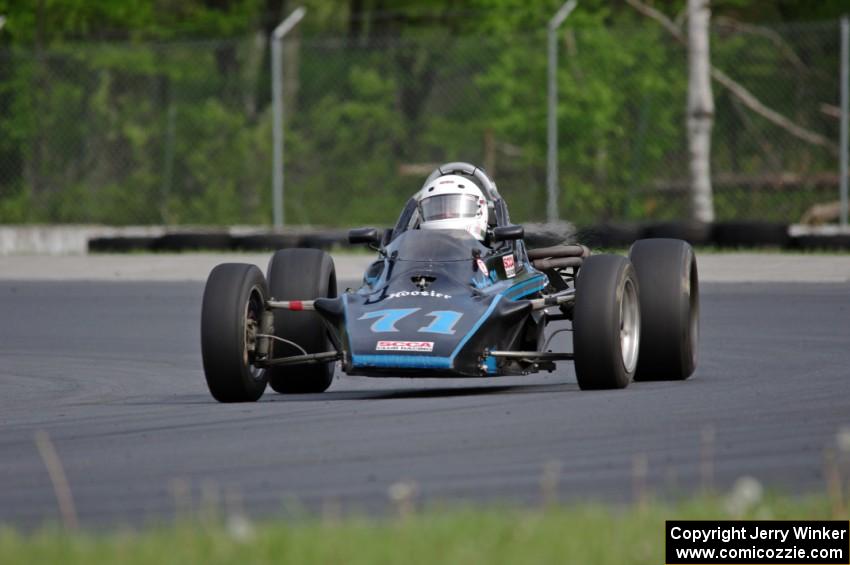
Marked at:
<point>142,130</point>
<point>48,22</point>
<point>342,152</point>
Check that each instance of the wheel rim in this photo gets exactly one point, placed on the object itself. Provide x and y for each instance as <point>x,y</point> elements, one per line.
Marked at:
<point>253,315</point>
<point>629,326</point>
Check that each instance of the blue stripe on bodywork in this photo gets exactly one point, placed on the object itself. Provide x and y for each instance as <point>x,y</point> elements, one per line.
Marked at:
<point>474,329</point>
<point>527,292</point>
<point>490,361</point>
<point>402,361</point>
<point>522,287</point>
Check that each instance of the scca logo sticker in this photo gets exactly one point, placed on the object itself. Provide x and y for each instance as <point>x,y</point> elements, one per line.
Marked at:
<point>419,346</point>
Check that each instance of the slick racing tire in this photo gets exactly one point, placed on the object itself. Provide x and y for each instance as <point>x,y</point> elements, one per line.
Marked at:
<point>606,323</point>
<point>301,274</point>
<point>233,305</point>
<point>669,305</point>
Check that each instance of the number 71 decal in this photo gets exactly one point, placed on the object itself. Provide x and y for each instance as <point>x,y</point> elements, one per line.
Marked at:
<point>443,321</point>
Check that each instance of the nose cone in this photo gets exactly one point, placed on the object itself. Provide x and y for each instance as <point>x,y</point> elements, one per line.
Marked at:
<point>426,331</point>
<point>410,329</point>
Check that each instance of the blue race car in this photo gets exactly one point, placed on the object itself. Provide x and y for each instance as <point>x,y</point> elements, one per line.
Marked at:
<point>453,292</point>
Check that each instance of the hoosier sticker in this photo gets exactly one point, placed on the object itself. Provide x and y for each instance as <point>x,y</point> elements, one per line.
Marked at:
<point>508,262</point>
<point>426,346</point>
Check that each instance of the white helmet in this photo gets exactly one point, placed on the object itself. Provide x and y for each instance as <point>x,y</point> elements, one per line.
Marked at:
<point>452,202</point>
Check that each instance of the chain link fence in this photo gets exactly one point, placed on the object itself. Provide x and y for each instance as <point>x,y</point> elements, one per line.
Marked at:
<point>135,134</point>
<point>180,133</point>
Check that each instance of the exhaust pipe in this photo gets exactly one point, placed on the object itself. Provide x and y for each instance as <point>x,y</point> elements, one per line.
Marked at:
<point>558,256</point>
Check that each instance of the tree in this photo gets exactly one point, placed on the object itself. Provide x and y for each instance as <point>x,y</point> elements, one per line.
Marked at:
<point>700,110</point>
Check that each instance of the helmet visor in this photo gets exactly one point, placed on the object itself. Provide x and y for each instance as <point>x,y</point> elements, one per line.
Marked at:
<point>448,207</point>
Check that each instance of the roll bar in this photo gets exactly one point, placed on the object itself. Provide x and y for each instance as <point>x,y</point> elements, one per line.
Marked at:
<point>468,169</point>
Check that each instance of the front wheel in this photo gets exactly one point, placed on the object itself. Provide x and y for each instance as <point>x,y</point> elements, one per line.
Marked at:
<point>301,274</point>
<point>606,323</point>
<point>234,301</point>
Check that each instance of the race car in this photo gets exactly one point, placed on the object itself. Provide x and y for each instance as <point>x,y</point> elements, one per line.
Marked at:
<point>453,292</point>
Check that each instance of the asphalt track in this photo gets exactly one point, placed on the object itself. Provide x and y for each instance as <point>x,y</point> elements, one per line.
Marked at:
<point>111,371</point>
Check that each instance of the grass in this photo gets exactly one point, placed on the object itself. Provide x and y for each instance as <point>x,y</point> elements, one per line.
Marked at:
<point>585,533</point>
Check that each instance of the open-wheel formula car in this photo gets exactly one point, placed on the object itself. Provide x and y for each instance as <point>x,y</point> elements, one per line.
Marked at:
<point>446,302</point>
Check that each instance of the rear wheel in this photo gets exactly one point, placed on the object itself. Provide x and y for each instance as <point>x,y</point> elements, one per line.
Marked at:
<point>233,305</point>
<point>669,303</point>
<point>301,274</point>
<point>606,323</point>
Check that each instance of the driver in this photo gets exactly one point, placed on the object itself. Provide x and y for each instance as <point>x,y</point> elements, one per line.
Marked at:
<point>452,202</point>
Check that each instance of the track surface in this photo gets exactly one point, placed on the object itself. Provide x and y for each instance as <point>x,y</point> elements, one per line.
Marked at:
<point>112,372</point>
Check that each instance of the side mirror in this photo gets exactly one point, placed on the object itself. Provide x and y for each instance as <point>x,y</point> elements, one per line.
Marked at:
<point>370,236</point>
<point>508,233</point>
